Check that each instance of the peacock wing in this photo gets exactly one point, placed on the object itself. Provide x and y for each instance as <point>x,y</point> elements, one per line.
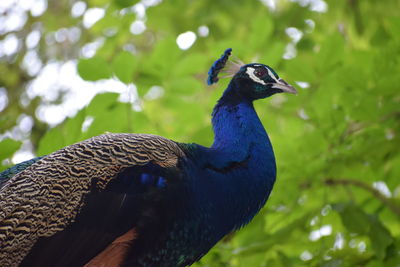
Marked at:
<point>94,183</point>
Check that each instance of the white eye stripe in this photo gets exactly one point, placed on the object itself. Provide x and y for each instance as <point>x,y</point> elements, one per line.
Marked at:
<point>250,72</point>
<point>272,75</point>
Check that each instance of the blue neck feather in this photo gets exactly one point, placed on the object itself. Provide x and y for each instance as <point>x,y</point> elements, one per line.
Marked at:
<point>237,127</point>
<point>240,164</point>
<point>236,123</point>
<point>241,145</point>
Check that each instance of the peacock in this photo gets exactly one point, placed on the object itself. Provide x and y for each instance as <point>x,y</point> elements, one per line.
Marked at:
<point>123,199</point>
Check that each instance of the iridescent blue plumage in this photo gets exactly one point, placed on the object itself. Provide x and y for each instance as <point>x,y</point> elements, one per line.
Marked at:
<point>218,65</point>
<point>7,174</point>
<point>167,203</point>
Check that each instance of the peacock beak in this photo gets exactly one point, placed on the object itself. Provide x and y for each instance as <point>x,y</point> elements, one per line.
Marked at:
<point>284,86</point>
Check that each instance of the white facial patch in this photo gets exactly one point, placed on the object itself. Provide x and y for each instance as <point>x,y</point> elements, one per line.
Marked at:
<point>250,72</point>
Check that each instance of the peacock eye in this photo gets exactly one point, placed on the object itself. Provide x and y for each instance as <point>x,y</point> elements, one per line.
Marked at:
<point>260,72</point>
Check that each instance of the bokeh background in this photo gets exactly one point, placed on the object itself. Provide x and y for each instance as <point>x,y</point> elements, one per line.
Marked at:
<point>71,69</point>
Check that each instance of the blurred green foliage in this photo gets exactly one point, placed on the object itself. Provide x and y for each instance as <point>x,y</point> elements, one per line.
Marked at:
<point>337,198</point>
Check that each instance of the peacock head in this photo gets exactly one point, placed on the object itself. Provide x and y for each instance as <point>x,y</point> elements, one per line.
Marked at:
<point>253,81</point>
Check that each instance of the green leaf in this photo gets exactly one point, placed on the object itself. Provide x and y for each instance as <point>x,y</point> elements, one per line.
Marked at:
<point>50,142</point>
<point>273,54</point>
<point>353,218</point>
<point>109,115</point>
<point>165,53</point>
<point>332,52</point>
<point>8,147</point>
<point>271,240</point>
<point>72,128</point>
<point>261,28</point>
<point>190,64</point>
<point>98,2</point>
<point>125,3</point>
<point>297,70</point>
<point>63,135</point>
<point>380,237</point>
<point>124,66</point>
<point>357,221</point>
<point>184,86</point>
<point>93,69</point>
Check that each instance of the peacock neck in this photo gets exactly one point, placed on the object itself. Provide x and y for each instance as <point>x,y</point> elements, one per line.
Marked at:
<point>236,124</point>
<point>242,157</point>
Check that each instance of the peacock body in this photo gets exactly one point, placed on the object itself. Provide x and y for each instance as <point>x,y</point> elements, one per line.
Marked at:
<point>143,200</point>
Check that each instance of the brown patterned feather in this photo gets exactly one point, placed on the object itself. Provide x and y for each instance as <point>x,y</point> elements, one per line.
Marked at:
<point>46,197</point>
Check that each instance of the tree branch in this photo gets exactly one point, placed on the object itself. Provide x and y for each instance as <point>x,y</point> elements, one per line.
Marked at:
<point>376,193</point>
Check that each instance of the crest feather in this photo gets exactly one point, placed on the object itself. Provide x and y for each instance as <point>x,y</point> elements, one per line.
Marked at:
<point>229,67</point>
